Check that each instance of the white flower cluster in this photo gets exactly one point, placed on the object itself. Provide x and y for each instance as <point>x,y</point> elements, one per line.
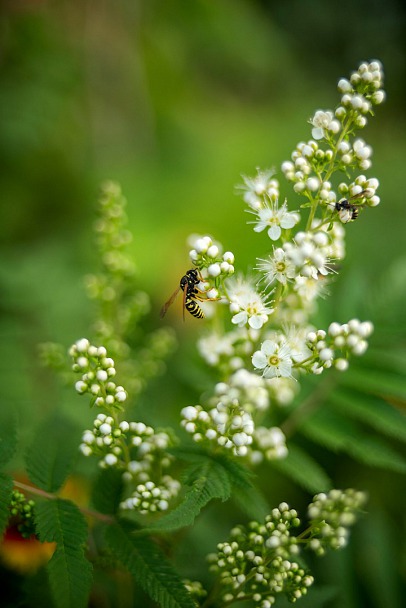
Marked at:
<point>97,369</point>
<point>257,561</point>
<point>260,188</point>
<point>330,516</point>
<point>150,498</point>
<point>226,426</point>
<point>323,123</point>
<point>246,388</point>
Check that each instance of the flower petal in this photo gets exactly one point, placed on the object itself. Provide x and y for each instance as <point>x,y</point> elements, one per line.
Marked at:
<point>259,360</point>
<point>274,232</point>
<point>269,347</point>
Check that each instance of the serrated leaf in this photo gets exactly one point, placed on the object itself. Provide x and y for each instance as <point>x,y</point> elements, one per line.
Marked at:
<point>372,411</point>
<point>8,436</point>
<point>375,382</point>
<point>248,497</point>
<point>52,453</point>
<point>6,488</point>
<point>208,481</point>
<point>107,491</point>
<point>303,469</point>
<point>70,574</point>
<point>338,434</point>
<point>149,567</point>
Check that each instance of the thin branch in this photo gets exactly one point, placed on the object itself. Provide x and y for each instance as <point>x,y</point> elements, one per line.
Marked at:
<point>33,490</point>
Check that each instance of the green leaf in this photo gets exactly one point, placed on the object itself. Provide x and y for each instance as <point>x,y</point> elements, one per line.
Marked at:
<point>51,456</point>
<point>149,567</point>
<point>70,574</point>
<point>372,411</point>
<point>245,493</point>
<point>208,480</point>
<point>394,361</point>
<point>6,488</point>
<point>304,470</point>
<point>338,434</point>
<point>375,382</point>
<point>107,491</point>
<point>8,436</point>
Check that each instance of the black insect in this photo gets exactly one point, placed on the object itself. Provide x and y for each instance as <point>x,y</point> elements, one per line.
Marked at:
<point>191,294</point>
<point>347,210</point>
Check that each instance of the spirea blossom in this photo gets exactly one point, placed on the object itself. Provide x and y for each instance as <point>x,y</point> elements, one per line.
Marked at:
<point>273,359</point>
<point>323,123</point>
<point>273,218</point>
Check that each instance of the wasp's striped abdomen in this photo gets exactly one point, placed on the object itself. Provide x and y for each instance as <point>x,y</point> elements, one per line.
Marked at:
<point>193,307</point>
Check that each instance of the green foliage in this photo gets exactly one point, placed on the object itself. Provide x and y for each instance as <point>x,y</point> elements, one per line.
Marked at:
<point>107,491</point>
<point>149,567</point>
<point>207,480</point>
<point>70,573</point>
<point>51,455</point>
<point>304,470</point>
<point>6,489</point>
<point>341,435</point>
<point>8,436</point>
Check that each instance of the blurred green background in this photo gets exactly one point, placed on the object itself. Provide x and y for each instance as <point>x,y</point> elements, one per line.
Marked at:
<point>176,100</point>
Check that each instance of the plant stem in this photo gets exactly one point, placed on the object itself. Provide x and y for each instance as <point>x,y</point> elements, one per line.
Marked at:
<point>49,496</point>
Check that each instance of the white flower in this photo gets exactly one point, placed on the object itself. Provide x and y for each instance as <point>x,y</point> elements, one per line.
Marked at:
<point>279,268</point>
<point>274,359</point>
<point>274,218</point>
<point>322,122</point>
<point>252,310</point>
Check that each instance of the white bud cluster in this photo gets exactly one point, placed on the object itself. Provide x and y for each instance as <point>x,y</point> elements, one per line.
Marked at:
<point>331,515</point>
<point>260,188</point>
<point>205,254</point>
<point>227,426</point>
<point>151,498</point>
<point>105,440</point>
<point>96,370</point>
<point>361,92</point>
<point>257,561</point>
<point>351,336</point>
<point>268,444</point>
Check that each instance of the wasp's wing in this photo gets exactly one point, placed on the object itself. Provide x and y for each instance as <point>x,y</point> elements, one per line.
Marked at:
<point>168,303</point>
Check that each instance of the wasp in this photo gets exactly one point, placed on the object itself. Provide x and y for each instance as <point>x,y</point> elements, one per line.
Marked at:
<point>191,295</point>
<point>347,210</point>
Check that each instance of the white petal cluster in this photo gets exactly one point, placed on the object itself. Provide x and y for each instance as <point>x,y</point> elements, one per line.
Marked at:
<point>260,188</point>
<point>278,267</point>
<point>247,305</point>
<point>229,427</point>
<point>324,123</point>
<point>309,253</point>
